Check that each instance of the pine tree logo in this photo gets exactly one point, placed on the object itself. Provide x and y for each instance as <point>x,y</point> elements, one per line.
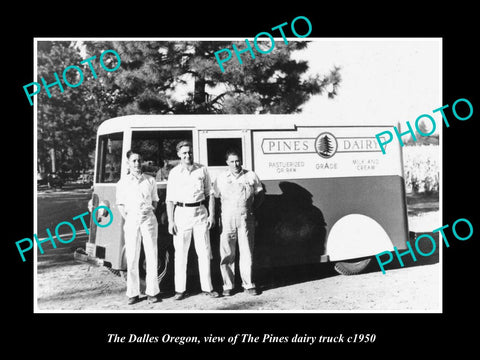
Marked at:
<point>326,145</point>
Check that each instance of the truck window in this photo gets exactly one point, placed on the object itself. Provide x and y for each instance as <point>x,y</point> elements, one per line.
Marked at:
<point>109,158</point>
<point>217,147</point>
<point>158,148</point>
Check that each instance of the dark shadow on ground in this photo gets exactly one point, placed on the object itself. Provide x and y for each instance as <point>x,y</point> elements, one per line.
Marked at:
<point>284,276</point>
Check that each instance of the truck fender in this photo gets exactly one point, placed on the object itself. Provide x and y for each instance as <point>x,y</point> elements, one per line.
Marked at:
<point>355,236</point>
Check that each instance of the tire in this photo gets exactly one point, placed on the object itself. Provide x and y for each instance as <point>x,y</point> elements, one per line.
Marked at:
<point>352,267</point>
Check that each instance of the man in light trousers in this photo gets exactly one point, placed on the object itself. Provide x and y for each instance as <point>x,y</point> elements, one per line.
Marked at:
<point>188,189</point>
<point>238,190</point>
<point>137,200</point>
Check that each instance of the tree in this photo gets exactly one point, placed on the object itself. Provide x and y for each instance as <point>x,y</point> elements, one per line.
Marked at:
<point>64,120</point>
<point>424,128</point>
<point>152,71</point>
<point>148,81</point>
<point>325,146</point>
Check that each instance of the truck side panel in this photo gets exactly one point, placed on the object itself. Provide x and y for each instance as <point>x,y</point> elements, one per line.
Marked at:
<point>297,215</point>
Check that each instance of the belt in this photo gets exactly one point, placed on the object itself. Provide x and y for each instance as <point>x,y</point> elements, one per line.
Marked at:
<point>195,204</point>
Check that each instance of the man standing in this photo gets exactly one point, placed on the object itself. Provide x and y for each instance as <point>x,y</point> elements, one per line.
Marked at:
<point>240,192</point>
<point>188,188</point>
<point>137,200</point>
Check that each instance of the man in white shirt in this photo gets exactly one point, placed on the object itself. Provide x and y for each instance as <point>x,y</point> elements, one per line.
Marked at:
<point>137,200</point>
<point>238,190</point>
<point>188,188</point>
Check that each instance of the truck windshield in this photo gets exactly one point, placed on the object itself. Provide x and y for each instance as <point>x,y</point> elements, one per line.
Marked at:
<point>109,158</point>
<point>158,148</point>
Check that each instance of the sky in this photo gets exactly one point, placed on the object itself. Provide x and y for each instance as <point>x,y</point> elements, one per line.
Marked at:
<point>383,80</point>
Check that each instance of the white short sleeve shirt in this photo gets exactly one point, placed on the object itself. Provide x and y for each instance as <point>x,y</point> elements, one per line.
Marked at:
<point>137,194</point>
<point>188,186</point>
<point>234,189</point>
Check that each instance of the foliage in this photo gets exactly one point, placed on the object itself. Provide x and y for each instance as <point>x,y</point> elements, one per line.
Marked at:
<point>423,140</point>
<point>65,121</point>
<point>152,71</point>
<point>421,168</point>
<point>148,82</point>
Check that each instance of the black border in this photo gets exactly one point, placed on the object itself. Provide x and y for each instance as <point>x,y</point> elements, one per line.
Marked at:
<point>86,333</point>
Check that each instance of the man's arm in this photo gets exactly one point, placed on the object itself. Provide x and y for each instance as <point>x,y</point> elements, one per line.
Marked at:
<point>258,199</point>
<point>121,209</point>
<point>154,195</point>
<point>172,227</point>
<point>209,194</point>
<point>169,202</point>
<point>259,192</point>
<point>211,211</point>
<point>120,199</point>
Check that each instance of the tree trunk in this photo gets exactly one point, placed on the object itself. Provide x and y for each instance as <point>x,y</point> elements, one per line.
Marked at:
<point>199,95</point>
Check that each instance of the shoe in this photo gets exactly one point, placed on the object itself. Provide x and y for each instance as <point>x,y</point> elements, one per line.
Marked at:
<point>133,300</point>
<point>212,294</point>
<point>179,296</point>
<point>227,292</point>
<point>153,299</point>
<point>252,291</point>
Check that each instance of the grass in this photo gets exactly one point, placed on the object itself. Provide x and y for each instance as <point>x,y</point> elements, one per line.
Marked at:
<point>421,168</point>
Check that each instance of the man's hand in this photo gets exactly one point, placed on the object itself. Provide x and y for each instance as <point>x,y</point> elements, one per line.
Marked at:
<point>211,222</point>
<point>121,210</point>
<point>172,228</point>
<point>163,218</point>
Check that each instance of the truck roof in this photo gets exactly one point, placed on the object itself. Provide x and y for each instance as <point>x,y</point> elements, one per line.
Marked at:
<point>223,122</point>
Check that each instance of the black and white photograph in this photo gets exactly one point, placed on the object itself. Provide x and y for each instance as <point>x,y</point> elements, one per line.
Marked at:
<point>280,184</point>
<point>180,182</point>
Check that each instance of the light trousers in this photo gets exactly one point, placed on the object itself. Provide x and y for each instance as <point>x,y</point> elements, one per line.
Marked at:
<point>136,232</point>
<point>192,221</point>
<point>236,228</point>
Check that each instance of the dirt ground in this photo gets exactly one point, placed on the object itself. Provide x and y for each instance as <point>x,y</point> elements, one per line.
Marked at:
<point>66,285</point>
<point>417,289</point>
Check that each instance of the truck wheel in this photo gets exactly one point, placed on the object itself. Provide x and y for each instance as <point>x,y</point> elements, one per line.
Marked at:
<point>352,267</point>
